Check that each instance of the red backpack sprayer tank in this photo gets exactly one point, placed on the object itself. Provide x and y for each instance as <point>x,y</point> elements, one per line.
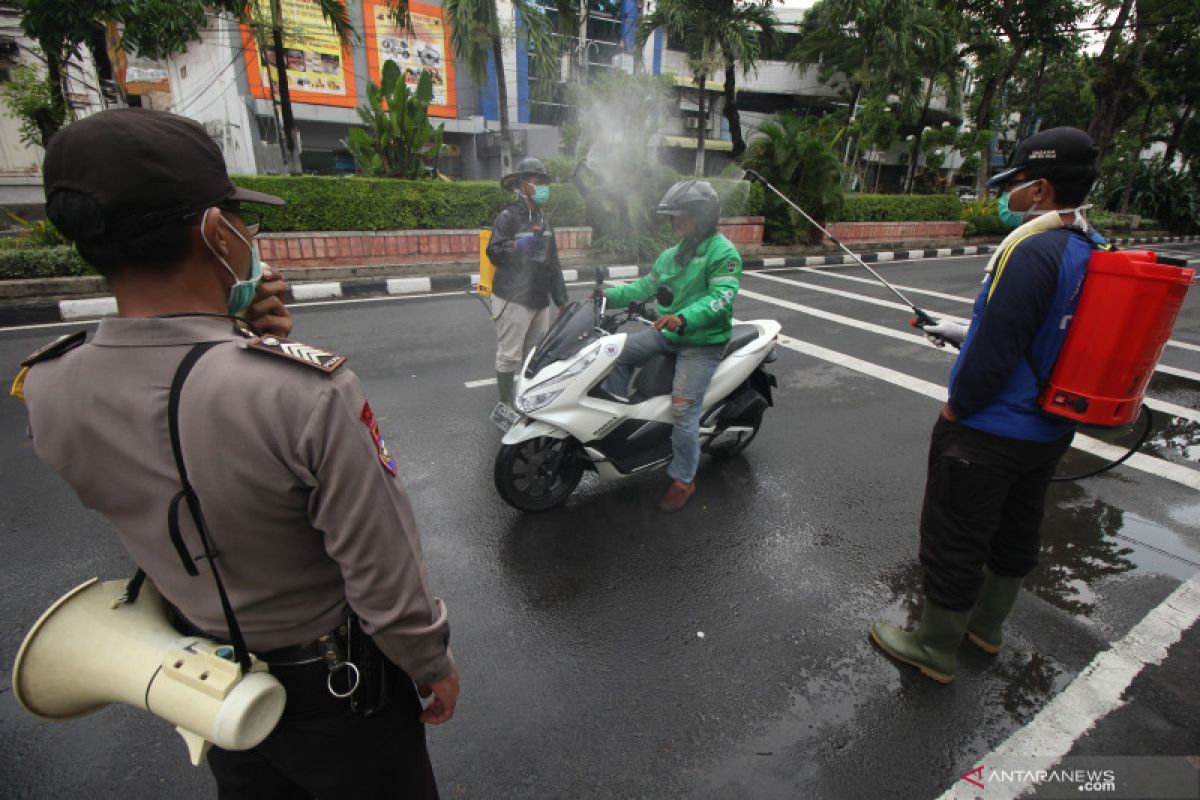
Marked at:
<point>1127,307</point>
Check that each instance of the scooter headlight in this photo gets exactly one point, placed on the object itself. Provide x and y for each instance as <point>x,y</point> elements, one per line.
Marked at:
<point>543,394</point>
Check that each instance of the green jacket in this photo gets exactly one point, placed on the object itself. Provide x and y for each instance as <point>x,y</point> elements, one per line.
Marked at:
<point>704,290</point>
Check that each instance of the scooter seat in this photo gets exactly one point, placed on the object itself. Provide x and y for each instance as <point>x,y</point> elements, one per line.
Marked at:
<point>742,336</point>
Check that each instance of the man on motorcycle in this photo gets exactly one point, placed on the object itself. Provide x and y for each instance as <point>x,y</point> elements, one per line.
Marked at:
<point>528,274</point>
<point>702,271</point>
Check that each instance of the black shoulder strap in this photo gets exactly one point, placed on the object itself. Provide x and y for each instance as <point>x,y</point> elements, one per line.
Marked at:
<point>189,496</point>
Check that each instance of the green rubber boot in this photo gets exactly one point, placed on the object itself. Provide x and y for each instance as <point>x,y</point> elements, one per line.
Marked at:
<point>932,647</point>
<point>996,600</point>
<point>504,382</point>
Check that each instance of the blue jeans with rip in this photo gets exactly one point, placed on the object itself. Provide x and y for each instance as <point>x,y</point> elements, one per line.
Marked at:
<point>694,368</point>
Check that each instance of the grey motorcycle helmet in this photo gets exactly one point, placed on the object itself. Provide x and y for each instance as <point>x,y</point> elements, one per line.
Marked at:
<point>697,199</point>
<point>528,167</point>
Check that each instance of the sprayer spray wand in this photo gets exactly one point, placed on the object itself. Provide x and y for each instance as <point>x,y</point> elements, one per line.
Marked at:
<point>922,318</point>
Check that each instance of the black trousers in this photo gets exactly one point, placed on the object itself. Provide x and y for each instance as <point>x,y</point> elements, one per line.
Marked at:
<point>321,749</point>
<point>984,500</point>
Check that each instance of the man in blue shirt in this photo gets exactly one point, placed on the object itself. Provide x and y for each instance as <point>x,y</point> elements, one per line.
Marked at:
<point>993,451</point>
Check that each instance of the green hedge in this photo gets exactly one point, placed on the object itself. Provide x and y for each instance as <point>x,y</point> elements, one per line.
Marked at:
<point>317,203</point>
<point>42,262</point>
<point>899,208</point>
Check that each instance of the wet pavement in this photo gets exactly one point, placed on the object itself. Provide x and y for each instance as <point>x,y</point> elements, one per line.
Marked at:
<point>610,651</point>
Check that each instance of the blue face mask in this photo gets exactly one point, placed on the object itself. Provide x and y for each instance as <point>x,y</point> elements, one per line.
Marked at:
<point>241,294</point>
<point>1012,219</point>
<point>541,194</point>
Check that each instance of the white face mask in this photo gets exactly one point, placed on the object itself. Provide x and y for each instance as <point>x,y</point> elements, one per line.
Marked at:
<point>241,294</point>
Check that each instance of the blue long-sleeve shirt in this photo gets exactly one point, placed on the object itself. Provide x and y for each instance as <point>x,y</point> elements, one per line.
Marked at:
<point>1018,325</point>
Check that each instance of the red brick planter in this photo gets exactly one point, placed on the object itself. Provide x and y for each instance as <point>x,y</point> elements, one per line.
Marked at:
<point>895,231</point>
<point>363,248</point>
<point>743,231</point>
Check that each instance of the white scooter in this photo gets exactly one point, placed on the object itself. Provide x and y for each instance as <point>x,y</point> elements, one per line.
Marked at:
<point>564,423</point>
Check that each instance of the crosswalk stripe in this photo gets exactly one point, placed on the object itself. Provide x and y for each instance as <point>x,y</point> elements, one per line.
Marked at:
<point>875,301</point>
<point>1158,467</point>
<point>919,338</point>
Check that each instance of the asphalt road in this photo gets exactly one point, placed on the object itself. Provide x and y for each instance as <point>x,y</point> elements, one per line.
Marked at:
<point>578,631</point>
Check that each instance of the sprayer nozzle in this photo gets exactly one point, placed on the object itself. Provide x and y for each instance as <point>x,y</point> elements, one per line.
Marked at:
<point>752,176</point>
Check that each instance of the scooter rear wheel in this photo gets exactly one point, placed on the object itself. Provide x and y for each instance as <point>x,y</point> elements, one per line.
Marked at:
<point>538,474</point>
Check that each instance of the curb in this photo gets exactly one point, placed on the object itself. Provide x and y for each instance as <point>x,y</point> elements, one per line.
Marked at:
<point>96,307</point>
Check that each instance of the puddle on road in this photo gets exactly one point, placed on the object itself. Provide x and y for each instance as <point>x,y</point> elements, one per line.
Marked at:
<point>1085,540</point>
<point>1029,681</point>
<point>1174,439</point>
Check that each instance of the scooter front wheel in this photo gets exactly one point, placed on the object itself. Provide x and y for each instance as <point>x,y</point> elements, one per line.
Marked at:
<point>537,474</point>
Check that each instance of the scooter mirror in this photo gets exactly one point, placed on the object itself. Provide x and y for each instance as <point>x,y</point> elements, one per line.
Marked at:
<point>664,296</point>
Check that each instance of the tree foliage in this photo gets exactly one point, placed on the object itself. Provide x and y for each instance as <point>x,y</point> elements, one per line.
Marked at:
<point>717,35</point>
<point>398,140</point>
<point>30,100</point>
<point>795,154</point>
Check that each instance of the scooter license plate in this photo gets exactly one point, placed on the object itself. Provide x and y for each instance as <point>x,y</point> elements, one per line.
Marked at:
<point>504,417</point>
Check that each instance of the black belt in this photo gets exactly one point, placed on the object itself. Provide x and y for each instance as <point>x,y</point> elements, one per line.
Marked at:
<point>295,655</point>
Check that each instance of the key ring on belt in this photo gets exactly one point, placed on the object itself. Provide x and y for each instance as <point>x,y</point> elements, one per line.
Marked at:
<point>331,652</point>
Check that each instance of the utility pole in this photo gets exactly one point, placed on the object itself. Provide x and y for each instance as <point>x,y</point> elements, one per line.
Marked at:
<point>583,40</point>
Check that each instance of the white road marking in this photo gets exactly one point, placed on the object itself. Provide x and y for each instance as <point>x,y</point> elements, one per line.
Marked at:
<point>1095,693</point>
<point>906,289</point>
<point>483,382</point>
<point>841,319</point>
<point>919,338</point>
<point>875,301</point>
<point>1177,372</point>
<point>861,298</point>
<point>316,291</point>
<point>90,308</point>
<point>1158,467</point>
<point>1183,345</point>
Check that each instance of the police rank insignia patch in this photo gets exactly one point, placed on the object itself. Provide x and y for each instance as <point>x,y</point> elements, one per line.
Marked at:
<point>295,351</point>
<point>385,458</point>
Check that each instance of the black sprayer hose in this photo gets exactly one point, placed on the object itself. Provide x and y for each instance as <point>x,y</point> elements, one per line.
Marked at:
<point>1141,440</point>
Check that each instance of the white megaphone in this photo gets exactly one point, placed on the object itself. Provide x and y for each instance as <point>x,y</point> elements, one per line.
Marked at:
<point>90,649</point>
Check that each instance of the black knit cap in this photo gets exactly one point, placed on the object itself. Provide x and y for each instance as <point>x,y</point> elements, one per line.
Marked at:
<point>1050,152</point>
<point>135,169</point>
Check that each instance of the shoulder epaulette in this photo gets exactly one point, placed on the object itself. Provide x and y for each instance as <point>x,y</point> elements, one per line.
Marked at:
<point>297,352</point>
<point>46,352</point>
<point>54,349</point>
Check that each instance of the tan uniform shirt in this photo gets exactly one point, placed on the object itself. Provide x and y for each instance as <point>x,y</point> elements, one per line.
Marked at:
<point>302,506</point>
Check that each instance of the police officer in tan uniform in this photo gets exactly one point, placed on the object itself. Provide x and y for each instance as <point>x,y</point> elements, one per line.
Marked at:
<point>307,519</point>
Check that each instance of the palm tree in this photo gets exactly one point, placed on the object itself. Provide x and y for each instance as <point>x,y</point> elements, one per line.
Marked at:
<point>797,156</point>
<point>940,61</point>
<point>716,34</point>
<point>477,32</point>
<point>873,44</point>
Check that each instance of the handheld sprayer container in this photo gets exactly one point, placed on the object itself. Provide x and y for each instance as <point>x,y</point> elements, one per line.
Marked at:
<point>1127,307</point>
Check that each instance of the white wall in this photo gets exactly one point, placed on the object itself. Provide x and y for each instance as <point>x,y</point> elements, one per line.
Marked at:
<point>204,87</point>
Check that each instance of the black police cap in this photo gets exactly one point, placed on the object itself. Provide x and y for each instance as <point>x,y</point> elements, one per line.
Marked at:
<point>140,168</point>
<point>1047,151</point>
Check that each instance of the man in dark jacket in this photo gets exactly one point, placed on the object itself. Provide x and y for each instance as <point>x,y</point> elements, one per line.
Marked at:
<point>993,450</point>
<point>528,275</point>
